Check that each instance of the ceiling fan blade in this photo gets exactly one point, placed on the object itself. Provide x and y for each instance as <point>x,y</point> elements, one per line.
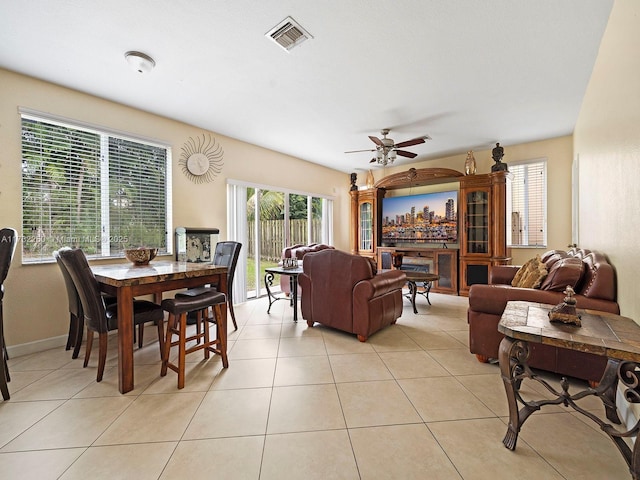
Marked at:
<point>408,143</point>
<point>404,153</point>
<point>376,140</point>
<point>356,151</point>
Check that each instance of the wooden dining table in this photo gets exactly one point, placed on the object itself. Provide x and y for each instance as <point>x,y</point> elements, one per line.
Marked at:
<point>126,281</point>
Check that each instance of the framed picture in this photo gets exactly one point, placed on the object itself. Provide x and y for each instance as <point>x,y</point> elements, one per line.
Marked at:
<point>196,244</point>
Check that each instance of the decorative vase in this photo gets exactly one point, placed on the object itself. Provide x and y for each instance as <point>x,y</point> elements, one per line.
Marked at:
<point>370,179</point>
<point>470,164</point>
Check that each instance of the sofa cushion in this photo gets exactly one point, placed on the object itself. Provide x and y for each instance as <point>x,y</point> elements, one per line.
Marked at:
<point>564,272</point>
<point>531,274</point>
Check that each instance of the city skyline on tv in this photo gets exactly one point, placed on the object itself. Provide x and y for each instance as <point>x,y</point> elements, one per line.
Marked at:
<point>436,201</point>
<point>421,218</point>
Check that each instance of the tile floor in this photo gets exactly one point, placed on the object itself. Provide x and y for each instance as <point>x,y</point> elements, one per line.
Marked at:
<point>295,403</point>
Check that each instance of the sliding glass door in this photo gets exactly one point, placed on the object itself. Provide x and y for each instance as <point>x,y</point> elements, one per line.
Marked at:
<point>270,220</point>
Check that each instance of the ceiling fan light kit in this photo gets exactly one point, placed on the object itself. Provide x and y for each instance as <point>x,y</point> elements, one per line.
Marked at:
<point>387,150</point>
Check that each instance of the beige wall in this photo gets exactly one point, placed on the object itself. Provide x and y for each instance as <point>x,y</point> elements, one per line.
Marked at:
<point>607,143</point>
<point>35,306</point>
<point>557,151</point>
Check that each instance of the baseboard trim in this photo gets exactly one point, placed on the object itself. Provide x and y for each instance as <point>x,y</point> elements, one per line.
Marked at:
<point>37,346</point>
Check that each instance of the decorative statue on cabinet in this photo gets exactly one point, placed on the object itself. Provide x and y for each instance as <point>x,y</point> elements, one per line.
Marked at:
<point>354,179</point>
<point>497,153</point>
<point>470,164</point>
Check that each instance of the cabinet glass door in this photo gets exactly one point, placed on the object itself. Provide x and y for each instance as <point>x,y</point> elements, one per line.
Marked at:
<point>366,226</point>
<point>477,222</point>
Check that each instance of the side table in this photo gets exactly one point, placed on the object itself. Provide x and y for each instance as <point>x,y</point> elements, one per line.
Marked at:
<point>293,279</point>
<point>608,335</point>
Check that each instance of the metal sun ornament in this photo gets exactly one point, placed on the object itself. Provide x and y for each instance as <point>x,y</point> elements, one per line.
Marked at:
<point>201,159</point>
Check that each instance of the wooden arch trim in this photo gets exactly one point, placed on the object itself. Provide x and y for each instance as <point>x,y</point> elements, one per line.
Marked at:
<point>416,177</point>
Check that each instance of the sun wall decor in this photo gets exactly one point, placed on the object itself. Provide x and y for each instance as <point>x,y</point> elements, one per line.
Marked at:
<point>201,159</point>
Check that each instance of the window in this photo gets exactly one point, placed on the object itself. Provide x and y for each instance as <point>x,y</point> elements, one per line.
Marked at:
<point>86,188</point>
<point>527,205</point>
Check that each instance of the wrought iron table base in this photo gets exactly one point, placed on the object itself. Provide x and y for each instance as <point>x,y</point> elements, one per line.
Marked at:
<point>513,357</point>
<point>293,298</point>
<point>413,291</point>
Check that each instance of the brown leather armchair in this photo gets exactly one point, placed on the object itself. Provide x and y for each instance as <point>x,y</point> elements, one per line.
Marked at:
<point>342,291</point>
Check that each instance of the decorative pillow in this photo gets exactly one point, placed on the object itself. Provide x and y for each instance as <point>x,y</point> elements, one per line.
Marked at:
<point>567,271</point>
<point>533,273</point>
<point>374,266</point>
<point>550,258</point>
<point>553,253</point>
<point>523,270</point>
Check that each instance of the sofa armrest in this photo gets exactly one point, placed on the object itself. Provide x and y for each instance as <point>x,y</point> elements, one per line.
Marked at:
<point>493,299</point>
<point>502,274</point>
<point>380,284</point>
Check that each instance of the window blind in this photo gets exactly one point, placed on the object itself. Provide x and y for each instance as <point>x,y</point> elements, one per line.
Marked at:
<point>528,209</point>
<point>88,189</point>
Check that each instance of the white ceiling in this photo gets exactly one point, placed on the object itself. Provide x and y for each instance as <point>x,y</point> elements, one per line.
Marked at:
<point>468,73</point>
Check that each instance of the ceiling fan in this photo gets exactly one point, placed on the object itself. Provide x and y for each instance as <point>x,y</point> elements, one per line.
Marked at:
<point>386,149</point>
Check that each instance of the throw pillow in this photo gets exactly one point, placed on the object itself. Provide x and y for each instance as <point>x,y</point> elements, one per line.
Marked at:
<point>374,266</point>
<point>533,275</point>
<point>567,271</point>
<point>523,270</point>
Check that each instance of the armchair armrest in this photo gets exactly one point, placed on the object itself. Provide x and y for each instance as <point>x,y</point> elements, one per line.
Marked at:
<point>380,284</point>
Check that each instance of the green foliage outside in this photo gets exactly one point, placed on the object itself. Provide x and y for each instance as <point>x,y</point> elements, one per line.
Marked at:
<point>63,200</point>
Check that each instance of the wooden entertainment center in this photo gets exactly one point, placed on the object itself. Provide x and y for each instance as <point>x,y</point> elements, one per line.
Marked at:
<point>482,236</point>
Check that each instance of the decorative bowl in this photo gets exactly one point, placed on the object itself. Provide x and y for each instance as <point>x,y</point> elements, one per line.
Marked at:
<point>140,256</point>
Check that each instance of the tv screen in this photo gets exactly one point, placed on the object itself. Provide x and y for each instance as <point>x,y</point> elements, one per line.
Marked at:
<point>423,218</point>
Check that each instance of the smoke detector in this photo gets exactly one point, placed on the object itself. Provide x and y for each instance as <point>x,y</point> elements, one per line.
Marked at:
<point>140,62</point>
<point>288,34</point>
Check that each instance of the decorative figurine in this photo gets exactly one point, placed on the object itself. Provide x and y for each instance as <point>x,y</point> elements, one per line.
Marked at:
<point>470,164</point>
<point>370,179</point>
<point>565,312</point>
<point>354,179</point>
<point>497,153</point>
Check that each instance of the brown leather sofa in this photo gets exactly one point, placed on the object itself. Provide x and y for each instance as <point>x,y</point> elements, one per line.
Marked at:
<point>298,251</point>
<point>591,276</point>
<point>343,291</point>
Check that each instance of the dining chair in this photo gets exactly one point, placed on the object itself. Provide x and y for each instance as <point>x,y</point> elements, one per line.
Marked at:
<point>226,254</point>
<point>178,308</point>
<point>8,242</point>
<point>76,316</point>
<point>101,317</point>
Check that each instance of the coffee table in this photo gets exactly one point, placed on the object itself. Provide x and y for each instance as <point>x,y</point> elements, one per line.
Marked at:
<point>604,334</point>
<point>414,277</point>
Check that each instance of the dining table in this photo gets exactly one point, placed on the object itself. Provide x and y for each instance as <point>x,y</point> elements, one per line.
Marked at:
<point>127,281</point>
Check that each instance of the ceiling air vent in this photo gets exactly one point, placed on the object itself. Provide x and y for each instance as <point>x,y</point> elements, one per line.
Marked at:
<point>288,34</point>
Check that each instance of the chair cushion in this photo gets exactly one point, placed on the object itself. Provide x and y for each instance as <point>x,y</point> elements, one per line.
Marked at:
<point>143,312</point>
<point>187,303</point>
<point>194,292</point>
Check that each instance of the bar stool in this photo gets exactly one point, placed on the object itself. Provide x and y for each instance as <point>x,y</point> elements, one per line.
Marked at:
<point>178,309</point>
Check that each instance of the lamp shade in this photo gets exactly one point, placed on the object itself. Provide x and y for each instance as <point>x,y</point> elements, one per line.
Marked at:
<point>140,62</point>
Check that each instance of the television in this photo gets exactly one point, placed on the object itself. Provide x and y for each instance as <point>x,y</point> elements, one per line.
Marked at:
<point>420,219</point>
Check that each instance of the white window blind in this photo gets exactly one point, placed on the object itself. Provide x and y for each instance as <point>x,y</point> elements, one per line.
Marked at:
<point>90,189</point>
<point>527,218</point>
